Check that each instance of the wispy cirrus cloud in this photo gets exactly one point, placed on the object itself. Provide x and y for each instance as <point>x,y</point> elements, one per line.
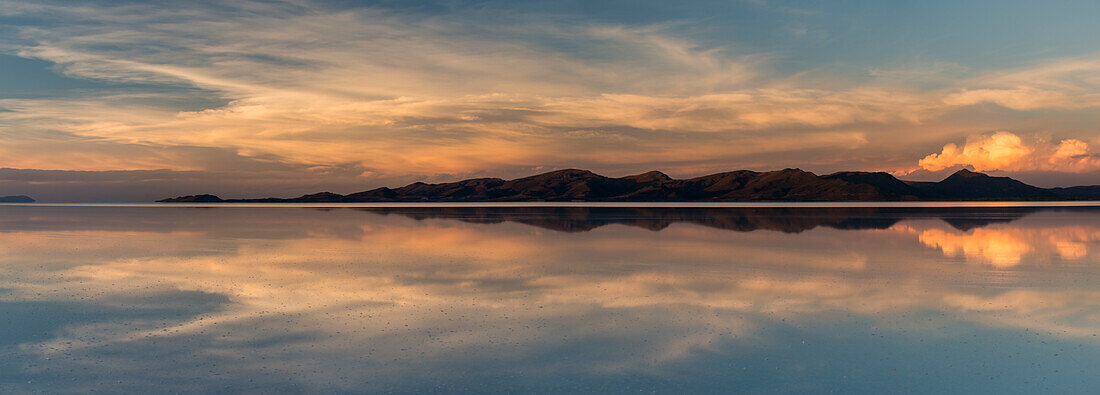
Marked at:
<point>401,94</point>
<point>1060,84</point>
<point>475,92</point>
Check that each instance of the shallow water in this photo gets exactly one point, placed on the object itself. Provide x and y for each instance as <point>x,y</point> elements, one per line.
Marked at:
<point>549,299</point>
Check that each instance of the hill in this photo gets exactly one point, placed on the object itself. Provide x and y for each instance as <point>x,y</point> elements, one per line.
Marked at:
<point>787,185</point>
<point>16,199</point>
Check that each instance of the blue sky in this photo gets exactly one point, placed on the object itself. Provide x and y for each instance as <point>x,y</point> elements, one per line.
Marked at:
<point>135,100</point>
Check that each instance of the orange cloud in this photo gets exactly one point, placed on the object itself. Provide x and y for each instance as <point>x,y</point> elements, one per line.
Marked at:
<point>998,151</point>
<point>1008,152</point>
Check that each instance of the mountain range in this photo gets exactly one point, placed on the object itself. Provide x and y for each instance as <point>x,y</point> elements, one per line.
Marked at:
<point>787,185</point>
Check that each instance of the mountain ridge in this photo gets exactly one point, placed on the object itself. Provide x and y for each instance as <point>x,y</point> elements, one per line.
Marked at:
<point>787,185</point>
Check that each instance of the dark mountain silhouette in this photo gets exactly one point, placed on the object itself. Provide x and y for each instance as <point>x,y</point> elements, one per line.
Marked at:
<point>195,199</point>
<point>968,185</point>
<point>16,199</point>
<point>1086,192</point>
<point>788,185</point>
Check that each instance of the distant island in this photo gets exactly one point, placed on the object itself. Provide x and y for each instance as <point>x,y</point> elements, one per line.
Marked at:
<point>16,199</point>
<point>788,185</point>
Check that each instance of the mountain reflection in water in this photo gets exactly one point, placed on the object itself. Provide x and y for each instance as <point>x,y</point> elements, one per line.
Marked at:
<point>560,299</point>
<point>789,220</point>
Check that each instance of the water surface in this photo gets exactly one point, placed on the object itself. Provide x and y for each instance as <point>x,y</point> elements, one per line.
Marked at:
<point>549,299</point>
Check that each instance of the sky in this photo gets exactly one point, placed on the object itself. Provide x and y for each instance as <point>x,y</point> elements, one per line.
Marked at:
<point>141,100</point>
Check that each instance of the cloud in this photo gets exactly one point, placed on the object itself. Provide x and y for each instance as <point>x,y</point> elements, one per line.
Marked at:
<point>1058,83</point>
<point>415,94</point>
<point>998,151</point>
<point>407,96</point>
<point>1074,155</point>
<point>1005,151</point>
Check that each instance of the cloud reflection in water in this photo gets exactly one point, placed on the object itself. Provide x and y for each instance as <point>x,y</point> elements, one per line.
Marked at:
<point>559,299</point>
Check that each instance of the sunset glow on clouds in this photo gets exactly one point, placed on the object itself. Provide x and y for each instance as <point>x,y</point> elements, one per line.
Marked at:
<point>353,97</point>
<point>1008,152</point>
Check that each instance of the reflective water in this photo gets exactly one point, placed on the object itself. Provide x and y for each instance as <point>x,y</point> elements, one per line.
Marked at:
<point>552,299</point>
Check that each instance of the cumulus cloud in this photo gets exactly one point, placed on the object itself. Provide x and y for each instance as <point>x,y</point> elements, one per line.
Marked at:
<point>999,151</point>
<point>1006,151</point>
<point>1074,155</point>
